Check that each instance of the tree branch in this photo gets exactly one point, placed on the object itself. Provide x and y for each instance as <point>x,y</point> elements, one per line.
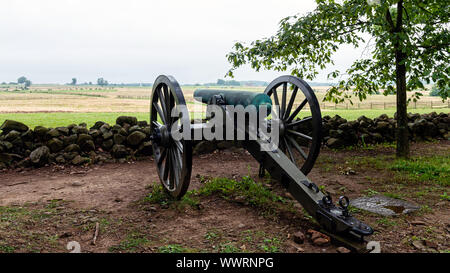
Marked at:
<point>390,21</point>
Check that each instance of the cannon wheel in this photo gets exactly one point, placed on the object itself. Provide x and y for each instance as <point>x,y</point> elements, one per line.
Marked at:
<point>300,145</point>
<point>173,158</point>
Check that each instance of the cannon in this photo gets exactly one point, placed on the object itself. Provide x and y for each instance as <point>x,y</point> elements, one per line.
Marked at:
<point>299,142</point>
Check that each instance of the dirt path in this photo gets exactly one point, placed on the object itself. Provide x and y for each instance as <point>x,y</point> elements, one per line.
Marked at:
<point>110,186</point>
<point>67,202</point>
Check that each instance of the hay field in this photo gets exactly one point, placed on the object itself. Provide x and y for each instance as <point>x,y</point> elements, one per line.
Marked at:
<point>58,105</point>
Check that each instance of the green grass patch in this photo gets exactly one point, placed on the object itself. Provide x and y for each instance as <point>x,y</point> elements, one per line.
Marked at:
<point>64,119</point>
<point>373,113</point>
<point>246,191</point>
<point>158,195</point>
<point>174,248</point>
<point>132,243</point>
<point>6,249</point>
<point>445,197</point>
<point>431,168</point>
<point>434,169</point>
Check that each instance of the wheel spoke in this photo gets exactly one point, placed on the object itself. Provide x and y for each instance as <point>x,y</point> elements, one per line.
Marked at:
<point>297,147</point>
<point>161,114</point>
<point>167,103</point>
<point>300,135</point>
<point>163,104</point>
<point>173,173</point>
<point>291,102</point>
<point>300,121</point>
<point>178,166</point>
<point>275,97</point>
<point>162,156</point>
<point>291,155</point>
<point>283,101</point>
<point>167,167</point>
<point>157,124</point>
<point>295,113</point>
<point>179,146</point>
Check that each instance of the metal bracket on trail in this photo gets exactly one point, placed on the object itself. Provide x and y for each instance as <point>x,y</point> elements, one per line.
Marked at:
<point>289,162</point>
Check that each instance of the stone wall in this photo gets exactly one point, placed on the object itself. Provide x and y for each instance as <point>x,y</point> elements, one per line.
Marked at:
<point>74,144</point>
<point>129,139</point>
<point>338,132</point>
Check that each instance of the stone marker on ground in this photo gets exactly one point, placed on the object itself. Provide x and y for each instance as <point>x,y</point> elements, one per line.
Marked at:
<point>383,205</point>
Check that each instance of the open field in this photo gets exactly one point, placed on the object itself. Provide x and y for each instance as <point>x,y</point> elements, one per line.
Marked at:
<point>228,207</point>
<point>61,105</point>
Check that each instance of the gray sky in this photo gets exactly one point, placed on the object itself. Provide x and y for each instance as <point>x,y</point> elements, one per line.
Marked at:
<point>51,41</point>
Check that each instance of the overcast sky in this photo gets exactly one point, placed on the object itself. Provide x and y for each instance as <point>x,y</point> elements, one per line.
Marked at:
<point>51,41</point>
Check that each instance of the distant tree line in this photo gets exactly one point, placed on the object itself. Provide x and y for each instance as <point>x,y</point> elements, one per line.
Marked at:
<point>228,83</point>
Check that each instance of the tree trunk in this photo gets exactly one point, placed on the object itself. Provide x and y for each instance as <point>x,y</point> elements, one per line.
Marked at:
<point>402,133</point>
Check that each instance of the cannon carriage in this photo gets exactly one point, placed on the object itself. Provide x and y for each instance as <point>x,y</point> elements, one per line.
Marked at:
<point>298,145</point>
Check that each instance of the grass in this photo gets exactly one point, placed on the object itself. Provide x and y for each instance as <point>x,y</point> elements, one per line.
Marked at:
<point>373,113</point>
<point>55,119</point>
<point>159,196</point>
<point>434,168</point>
<point>132,243</point>
<point>64,119</point>
<point>174,248</point>
<point>431,168</point>
<point>246,191</point>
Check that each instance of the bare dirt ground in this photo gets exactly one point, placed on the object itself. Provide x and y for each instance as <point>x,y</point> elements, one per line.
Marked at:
<point>41,210</point>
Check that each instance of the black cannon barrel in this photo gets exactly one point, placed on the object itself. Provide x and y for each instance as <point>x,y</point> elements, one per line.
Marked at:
<point>235,97</point>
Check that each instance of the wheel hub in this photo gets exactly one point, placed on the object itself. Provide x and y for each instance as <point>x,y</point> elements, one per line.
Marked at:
<point>162,136</point>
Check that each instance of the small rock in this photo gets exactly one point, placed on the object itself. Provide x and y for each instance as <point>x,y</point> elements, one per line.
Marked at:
<point>300,250</point>
<point>55,145</point>
<point>299,237</point>
<point>77,184</point>
<point>431,244</point>
<point>119,138</point>
<point>321,241</point>
<point>79,160</point>
<point>65,235</point>
<point>342,249</point>
<point>418,244</point>
<point>10,125</point>
<point>72,148</point>
<point>136,138</point>
<point>126,119</point>
<point>119,151</point>
<point>334,143</point>
<point>418,223</point>
<point>40,155</point>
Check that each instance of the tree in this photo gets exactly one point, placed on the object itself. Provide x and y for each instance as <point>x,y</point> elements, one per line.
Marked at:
<point>435,92</point>
<point>408,45</point>
<point>220,82</point>
<point>74,81</point>
<point>27,84</point>
<point>102,82</point>
<point>21,79</point>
